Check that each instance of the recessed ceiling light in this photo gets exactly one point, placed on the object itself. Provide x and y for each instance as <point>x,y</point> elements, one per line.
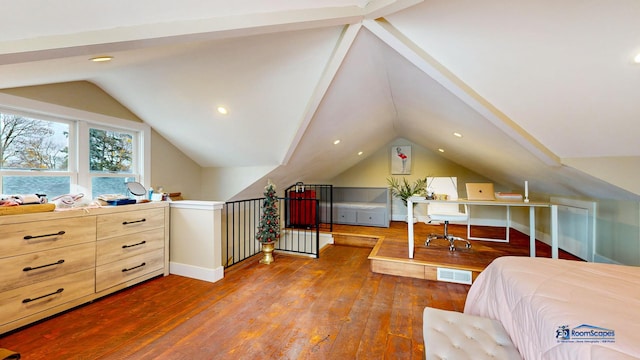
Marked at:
<point>636,59</point>
<point>457,134</point>
<point>102,58</point>
<point>223,110</point>
<point>336,142</point>
<point>360,153</point>
<point>441,150</point>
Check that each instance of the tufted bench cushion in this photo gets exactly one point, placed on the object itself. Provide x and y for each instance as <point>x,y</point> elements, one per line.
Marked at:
<point>454,335</point>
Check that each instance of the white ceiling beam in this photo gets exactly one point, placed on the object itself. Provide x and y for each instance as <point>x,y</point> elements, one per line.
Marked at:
<point>381,8</point>
<point>337,57</point>
<point>145,35</point>
<point>418,57</point>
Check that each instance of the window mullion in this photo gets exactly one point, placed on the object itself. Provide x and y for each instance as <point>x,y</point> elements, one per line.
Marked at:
<point>82,162</point>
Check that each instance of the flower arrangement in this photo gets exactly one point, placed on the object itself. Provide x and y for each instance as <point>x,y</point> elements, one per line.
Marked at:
<point>404,190</point>
<point>269,227</point>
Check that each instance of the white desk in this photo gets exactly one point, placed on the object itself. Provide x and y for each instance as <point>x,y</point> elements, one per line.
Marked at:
<point>532,219</point>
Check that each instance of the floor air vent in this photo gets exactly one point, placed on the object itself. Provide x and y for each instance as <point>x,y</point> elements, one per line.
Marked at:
<point>455,276</point>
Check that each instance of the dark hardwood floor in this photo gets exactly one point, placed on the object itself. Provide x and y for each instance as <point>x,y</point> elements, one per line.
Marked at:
<point>333,307</point>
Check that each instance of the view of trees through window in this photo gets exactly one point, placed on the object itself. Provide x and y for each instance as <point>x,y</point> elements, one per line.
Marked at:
<point>33,144</point>
<point>110,151</point>
<point>34,157</point>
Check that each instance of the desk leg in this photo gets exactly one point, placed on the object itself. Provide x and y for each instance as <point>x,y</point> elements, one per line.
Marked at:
<point>554,231</point>
<point>468,210</point>
<point>532,231</point>
<point>410,226</point>
<point>508,222</point>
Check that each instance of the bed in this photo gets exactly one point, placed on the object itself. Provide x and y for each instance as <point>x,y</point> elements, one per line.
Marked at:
<point>562,309</point>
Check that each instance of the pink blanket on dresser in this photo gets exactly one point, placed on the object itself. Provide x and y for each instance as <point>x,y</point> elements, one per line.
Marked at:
<point>562,309</point>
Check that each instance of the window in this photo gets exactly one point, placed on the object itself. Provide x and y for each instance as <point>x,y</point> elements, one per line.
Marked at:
<point>68,151</point>
<point>111,161</point>
<point>34,155</point>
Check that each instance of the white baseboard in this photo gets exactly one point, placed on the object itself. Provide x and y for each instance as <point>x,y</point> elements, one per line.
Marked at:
<point>325,239</point>
<point>196,272</point>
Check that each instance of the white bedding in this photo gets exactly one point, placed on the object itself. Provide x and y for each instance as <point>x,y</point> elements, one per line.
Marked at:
<point>534,298</point>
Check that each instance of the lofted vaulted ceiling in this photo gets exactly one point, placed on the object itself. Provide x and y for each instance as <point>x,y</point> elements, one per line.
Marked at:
<point>541,90</point>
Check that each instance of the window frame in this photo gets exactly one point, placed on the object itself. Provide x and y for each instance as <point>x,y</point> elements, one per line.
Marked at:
<point>80,121</point>
<point>72,146</point>
<point>84,164</point>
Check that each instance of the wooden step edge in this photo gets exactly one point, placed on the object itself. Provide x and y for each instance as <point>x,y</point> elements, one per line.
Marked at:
<point>357,240</point>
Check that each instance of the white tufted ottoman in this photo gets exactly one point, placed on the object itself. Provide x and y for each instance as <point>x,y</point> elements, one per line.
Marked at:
<point>453,335</point>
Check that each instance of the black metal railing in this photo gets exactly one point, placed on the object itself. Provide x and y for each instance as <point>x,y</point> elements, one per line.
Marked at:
<point>295,209</point>
<point>303,237</point>
<point>240,220</point>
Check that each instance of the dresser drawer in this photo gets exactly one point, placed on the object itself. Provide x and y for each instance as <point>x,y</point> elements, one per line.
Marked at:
<point>29,237</point>
<point>116,248</point>
<point>129,222</point>
<point>28,300</point>
<point>18,271</point>
<point>117,272</point>
<point>373,217</point>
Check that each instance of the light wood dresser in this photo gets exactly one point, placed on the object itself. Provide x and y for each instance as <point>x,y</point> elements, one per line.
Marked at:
<point>51,262</point>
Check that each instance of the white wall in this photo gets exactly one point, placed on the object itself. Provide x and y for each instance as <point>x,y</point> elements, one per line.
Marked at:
<point>221,184</point>
<point>618,232</point>
<point>173,170</point>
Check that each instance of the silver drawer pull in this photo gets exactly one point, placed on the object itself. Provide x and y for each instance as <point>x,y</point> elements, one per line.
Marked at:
<point>29,268</point>
<point>132,245</point>
<point>135,267</point>
<point>61,232</point>
<point>28,300</point>
<point>133,222</point>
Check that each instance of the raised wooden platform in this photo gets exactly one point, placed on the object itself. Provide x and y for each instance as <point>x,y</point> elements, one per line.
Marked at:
<point>390,251</point>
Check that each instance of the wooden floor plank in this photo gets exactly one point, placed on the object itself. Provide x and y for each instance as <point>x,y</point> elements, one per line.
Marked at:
<point>398,345</point>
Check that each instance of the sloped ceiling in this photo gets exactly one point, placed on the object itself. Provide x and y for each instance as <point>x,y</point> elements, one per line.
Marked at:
<point>531,86</point>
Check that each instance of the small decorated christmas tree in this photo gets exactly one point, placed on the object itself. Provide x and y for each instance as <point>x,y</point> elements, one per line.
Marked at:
<point>269,227</point>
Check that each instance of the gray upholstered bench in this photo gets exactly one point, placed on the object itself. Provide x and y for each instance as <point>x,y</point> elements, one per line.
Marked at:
<point>454,335</point>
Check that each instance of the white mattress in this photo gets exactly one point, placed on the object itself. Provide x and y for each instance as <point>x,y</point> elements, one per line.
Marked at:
<point>534,298</point>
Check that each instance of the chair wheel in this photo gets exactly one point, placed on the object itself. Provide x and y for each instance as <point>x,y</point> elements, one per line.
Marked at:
<point>468,246</point>
<point>452,248</point>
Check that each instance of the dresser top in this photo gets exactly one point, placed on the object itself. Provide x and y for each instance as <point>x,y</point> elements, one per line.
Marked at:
<point>78,212</point>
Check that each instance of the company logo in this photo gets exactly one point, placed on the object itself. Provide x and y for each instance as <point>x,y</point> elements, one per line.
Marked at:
<point>585,333</point>
<point>563,332</point>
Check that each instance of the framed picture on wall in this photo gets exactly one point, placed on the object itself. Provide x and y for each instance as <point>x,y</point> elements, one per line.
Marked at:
<point>401,160</point>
